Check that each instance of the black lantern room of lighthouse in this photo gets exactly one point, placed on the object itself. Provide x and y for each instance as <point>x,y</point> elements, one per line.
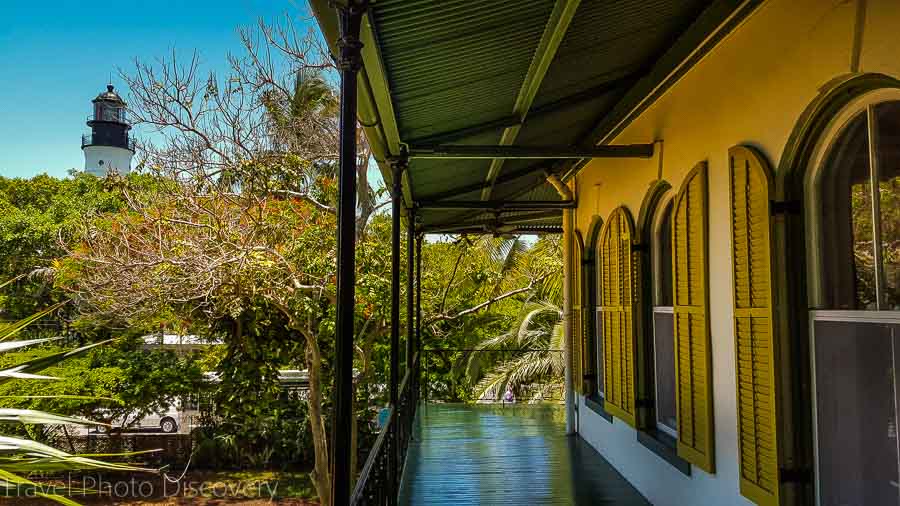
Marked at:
<point>108,124</point>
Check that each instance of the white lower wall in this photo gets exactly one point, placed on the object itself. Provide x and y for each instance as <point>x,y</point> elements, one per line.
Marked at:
<point>656,479</point>
<point>113,158</point>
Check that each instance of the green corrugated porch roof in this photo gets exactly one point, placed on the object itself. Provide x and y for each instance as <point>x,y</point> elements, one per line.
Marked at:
<point>519,73</point>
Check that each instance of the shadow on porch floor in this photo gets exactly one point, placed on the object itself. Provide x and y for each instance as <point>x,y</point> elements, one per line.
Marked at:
<point>487,454</point>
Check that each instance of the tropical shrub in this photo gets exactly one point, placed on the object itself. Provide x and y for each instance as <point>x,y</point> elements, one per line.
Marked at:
<point>19,456</point>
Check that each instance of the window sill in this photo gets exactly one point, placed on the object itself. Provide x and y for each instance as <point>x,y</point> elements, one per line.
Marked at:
<point>595,404</point>
<point>664,446</point>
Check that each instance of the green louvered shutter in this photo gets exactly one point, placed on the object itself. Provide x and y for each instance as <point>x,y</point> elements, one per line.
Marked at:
<point>617,300</point>
<point>693,357</point>
<point>577,314</point>
<point>754,343</point>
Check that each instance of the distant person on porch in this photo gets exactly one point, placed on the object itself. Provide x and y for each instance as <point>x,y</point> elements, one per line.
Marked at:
<point>509,396</point>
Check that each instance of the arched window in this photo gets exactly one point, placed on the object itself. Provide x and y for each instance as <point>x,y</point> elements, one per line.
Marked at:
<point>577,364</point>
<point>854,237</point>
<point>591,335</point>
<point>657,383</point>
<point>662,324</point>
<point>598,318</point>
<point>617,303</point>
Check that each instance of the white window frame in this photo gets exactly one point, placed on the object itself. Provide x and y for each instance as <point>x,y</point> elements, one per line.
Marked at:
<point>598,343</point>
<point>659,424</point>
<point>865,103</point>
<point>664,203</point>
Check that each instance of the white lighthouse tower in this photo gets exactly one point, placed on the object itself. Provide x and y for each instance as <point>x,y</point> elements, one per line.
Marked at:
<point>108,148</point>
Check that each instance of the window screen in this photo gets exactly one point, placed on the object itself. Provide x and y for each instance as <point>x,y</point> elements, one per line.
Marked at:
<point>663,324</point>
<point>598,346</point>
<point>856,412</point>
<point>664,351</point>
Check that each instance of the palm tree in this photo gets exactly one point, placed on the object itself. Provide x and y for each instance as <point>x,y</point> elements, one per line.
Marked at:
<point>303,119</point>
<point>536,338</point>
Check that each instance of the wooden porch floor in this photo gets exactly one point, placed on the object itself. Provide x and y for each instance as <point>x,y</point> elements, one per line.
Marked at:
<point>487,454</point>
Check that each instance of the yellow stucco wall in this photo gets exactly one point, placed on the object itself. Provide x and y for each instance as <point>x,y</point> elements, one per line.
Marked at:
<point>751,89</point>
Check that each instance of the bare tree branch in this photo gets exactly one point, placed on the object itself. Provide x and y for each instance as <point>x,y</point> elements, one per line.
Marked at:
<point>487,303</point>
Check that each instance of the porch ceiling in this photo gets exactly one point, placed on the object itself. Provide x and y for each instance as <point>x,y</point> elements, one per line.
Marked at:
<point>531,73</point>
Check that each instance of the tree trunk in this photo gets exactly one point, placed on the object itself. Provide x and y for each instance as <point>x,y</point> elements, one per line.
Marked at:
<point>364,201</point>
<point>321,474</point>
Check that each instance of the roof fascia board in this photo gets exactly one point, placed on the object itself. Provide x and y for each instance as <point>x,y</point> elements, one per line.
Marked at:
<point>377,75</point>
<point>554,33</point>
<point>380,95</point>
<point>373,122</point>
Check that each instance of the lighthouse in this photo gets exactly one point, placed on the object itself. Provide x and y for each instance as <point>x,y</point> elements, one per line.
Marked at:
<point>108,148</point>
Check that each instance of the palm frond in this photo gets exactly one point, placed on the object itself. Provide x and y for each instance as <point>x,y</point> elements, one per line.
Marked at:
<point>557,342</point>
<point>40,363</point>
<point>31,416</point>
<point>13,280</point>
<point>490,386</point>
<point>11,329</point>
<point>528,367</point>
<point>24,455</point>
<point>498,342</point>
<point>12,345</point>
<point>17,373</point>
<point>558,336</point>
<point>520,370</point>
<point>531,311</point>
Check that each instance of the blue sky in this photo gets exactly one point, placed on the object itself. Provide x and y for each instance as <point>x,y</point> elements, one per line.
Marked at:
<point>56,55</point>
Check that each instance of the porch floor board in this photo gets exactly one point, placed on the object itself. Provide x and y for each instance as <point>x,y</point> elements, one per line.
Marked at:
<point>487,454</point>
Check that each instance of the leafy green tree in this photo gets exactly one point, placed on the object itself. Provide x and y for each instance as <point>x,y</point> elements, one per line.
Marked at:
<point>146,380</point>
<point>473,291</point>
<point>37,219</point>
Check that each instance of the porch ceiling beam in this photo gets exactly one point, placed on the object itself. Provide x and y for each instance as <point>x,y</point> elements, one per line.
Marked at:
<point>471,219</point>
<point>497,205</point>
<point>533,217</point>
<point>487,230</point>
<point>554,33</point>
<point>505,152</point>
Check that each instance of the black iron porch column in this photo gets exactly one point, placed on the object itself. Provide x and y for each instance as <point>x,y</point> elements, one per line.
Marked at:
<point>410,279</point>
<point>349,62</point>
<point>418,343</point>
<point>398,167</point>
